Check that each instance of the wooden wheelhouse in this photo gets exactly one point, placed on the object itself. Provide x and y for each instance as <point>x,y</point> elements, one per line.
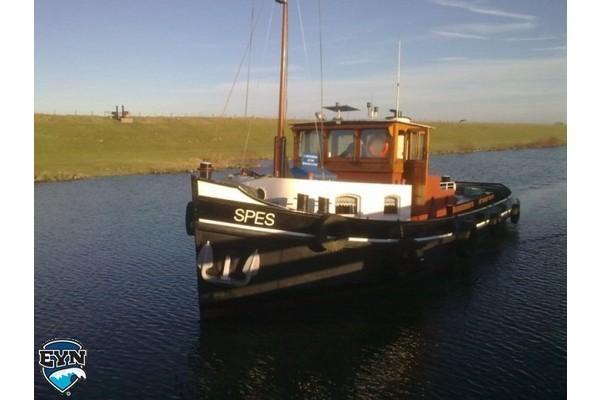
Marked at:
<point>392,151</point>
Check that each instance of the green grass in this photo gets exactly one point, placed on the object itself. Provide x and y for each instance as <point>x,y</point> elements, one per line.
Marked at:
<point>452,137</point>
<point>73,147</point>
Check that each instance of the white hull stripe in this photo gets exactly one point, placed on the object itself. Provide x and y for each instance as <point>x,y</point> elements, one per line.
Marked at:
<point>308,235</point>
<point>254,228</point>
<point>482,223</point>
<point>426,238</point>
<point>222,192</point>
<point>370,240</point>
<point>289,233</point>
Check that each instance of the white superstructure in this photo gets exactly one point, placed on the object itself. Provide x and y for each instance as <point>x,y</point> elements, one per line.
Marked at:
<point>370,198</point>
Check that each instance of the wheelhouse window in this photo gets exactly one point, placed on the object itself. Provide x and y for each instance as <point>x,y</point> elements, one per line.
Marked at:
<point>341,143</point>
<point>417,145</point>
<point>390,205</point>
<point>347,204</point>
<point>309,142</point>
<point>309,148</point>
<point>374,143</point>
<point>400,147</point>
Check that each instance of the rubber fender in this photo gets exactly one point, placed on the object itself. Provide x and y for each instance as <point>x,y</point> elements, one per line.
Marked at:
<point>515,212</point>
<point>189,218</point>
<point>331,233</point>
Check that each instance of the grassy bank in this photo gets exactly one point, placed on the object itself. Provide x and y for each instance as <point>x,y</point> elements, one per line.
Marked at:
<point>73,147</point>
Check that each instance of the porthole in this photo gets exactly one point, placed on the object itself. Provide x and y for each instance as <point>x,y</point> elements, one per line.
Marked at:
<point>261,193</point>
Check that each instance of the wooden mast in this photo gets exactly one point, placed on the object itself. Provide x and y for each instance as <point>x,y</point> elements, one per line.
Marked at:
<point>279,158</point>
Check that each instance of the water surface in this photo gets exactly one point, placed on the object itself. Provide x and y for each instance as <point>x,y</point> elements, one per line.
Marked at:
<point>115,269</point>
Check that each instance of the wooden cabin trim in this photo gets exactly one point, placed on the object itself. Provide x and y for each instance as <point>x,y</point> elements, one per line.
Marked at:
<point>386,170</point>
<point>359,123</point>
<point>296,148</point>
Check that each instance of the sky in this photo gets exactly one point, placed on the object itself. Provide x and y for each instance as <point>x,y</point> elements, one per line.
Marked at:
<point>480,60</point>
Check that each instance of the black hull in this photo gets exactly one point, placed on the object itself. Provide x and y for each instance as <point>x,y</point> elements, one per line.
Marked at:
<point>299,253</point>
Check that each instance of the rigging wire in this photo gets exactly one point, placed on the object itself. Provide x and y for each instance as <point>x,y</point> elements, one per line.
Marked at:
<point>237,74</point>
<point>248,87</point>
<point>320,134</point>
<point>268,33</point>
<point>302,34</point>
<point>257,81</point>
<point>321,52</point>
<point>317,131</point>
<point>266,44</point>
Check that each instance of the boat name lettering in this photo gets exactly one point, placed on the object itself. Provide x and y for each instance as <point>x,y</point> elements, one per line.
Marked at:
<point>256,217</point>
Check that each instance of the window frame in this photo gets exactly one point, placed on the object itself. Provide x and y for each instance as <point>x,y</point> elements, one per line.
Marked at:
<point>329,147</point>
<point>301,135</point>
<point>396,199</point>
<point>417,144</point>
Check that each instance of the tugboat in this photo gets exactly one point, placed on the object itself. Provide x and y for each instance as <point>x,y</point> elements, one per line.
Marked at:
<point>356,206</point>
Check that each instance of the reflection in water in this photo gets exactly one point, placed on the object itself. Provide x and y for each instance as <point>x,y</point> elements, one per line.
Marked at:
<point>319,358</point>
<point>362,344</point>
<point>115,269</point>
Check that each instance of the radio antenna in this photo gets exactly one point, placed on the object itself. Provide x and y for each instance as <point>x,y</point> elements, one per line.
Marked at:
<point>398,82</point>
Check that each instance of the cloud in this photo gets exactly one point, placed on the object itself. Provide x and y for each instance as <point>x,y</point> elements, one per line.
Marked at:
<point>553,48</point>
<point>530,39</point>
<point>481,31</point>
<point>532,89</point>
<point>529,90</point>
<point>356,61</point>
<point>445,59</point>
<point>491,29</point>
<point>474,8</point>
<point>458,35</point>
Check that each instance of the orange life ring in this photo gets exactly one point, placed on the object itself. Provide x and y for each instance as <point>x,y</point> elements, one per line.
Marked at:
<point>384,150</point>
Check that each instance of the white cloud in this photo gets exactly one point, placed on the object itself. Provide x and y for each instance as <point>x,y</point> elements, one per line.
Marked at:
<point>458,35</point>
<point>553,48</point>
<point>445,59</point>
<point>530,39</point>
<point>528,90</point>
<point>356,61</point>
<point>531,90</point>
<point>491,29</point>
<point>481,31</point>
<point>474,8</point>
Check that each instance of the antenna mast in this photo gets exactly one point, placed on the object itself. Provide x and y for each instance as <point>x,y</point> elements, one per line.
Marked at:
<point>398,82</point>
<point>279,158</point>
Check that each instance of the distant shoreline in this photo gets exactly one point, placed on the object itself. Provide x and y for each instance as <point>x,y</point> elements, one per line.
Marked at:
<point>255,163</point>
<point>81,147</point>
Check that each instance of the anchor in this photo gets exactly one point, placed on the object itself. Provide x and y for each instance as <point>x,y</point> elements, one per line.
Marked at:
<point>205,263</point>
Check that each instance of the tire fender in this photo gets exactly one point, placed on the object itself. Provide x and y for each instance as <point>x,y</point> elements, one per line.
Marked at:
<point>331,233</point>
<point>515,212</point>
<point>190,219</point>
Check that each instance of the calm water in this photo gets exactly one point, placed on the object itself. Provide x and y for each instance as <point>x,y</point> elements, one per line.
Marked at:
<point>115,269</point>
